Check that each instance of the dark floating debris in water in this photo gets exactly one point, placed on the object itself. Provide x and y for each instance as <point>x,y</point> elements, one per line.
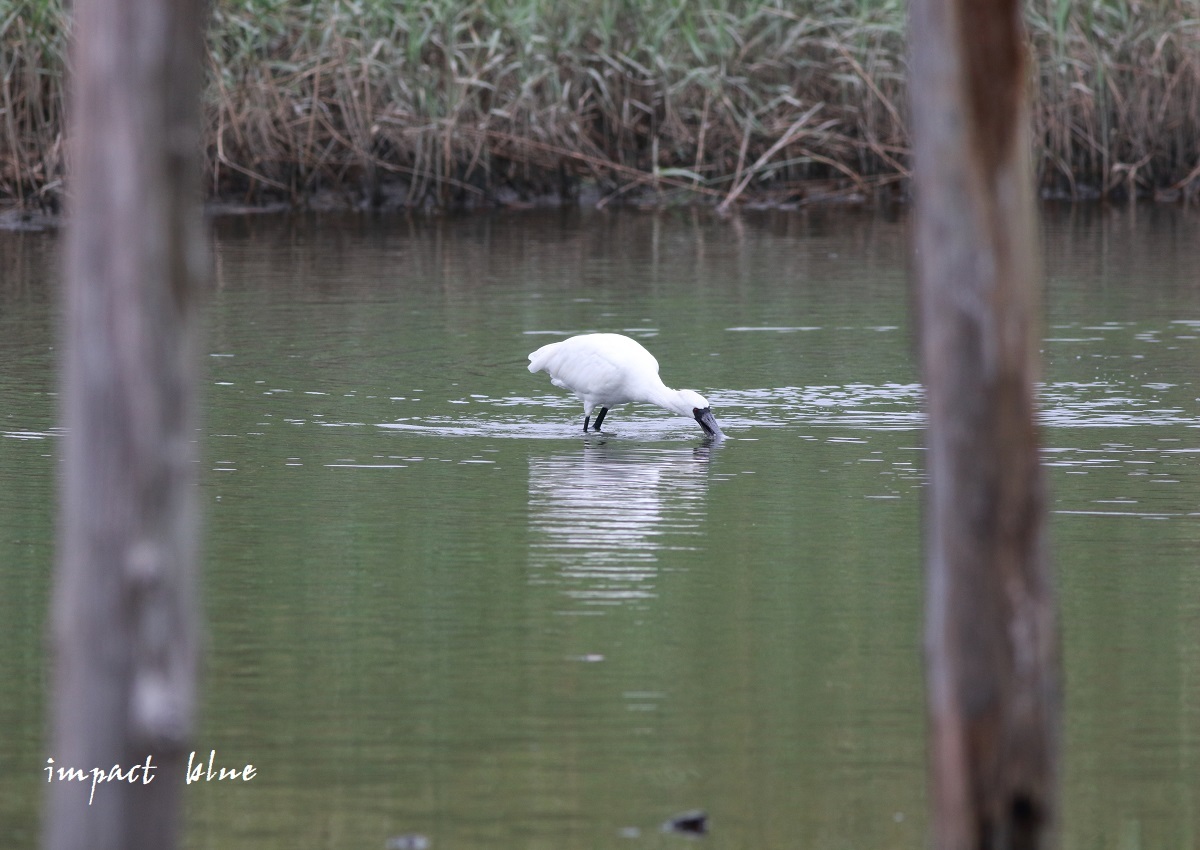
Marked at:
<point>689,823</point>
<point>411,841</point>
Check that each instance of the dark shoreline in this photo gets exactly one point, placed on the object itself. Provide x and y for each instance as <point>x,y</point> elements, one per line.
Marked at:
<point>14,218</point>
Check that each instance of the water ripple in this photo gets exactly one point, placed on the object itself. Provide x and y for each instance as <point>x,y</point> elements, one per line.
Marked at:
<point>887,406</point>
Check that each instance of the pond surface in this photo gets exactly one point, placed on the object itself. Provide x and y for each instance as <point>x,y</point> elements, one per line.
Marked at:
<point>436,608</point>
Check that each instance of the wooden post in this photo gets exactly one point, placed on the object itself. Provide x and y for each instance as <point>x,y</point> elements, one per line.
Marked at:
<point>991,639</point>
<point>124,616</point>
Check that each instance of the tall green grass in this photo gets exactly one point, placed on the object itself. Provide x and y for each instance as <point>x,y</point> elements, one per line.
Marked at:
<point>32,44</point>
<point>455,102</point>
<point>470,101</point>
<point>1117,96</point>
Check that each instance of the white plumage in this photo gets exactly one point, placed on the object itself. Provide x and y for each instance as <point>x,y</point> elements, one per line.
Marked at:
<point>607,370</point>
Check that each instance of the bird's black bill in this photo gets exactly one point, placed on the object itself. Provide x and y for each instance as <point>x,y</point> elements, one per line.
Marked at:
<point>709,422</point>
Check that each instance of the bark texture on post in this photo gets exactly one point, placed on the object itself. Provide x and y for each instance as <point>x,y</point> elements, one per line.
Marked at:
<point>991,638</point>
<point>125,613</point>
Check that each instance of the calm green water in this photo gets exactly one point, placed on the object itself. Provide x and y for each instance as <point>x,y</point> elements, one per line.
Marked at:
<point>434,607</point>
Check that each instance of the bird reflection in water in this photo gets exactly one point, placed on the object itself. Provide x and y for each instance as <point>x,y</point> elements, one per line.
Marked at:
<point>600,517</point>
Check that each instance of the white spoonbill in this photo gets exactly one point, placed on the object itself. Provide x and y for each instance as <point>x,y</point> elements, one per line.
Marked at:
<point>607,370</point>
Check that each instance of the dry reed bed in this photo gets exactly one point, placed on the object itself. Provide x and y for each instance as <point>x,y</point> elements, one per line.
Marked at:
<point>448,102</point>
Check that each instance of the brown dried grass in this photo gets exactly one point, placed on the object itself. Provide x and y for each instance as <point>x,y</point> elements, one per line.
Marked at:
<point>445,103</point>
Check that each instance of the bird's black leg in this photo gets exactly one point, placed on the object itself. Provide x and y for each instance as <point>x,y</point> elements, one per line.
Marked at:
<point>599,419</point>
<point>587,418</point>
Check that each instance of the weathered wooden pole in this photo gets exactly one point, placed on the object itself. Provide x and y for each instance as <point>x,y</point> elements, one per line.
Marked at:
<point>124,618</point>
<point>991,638</point>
